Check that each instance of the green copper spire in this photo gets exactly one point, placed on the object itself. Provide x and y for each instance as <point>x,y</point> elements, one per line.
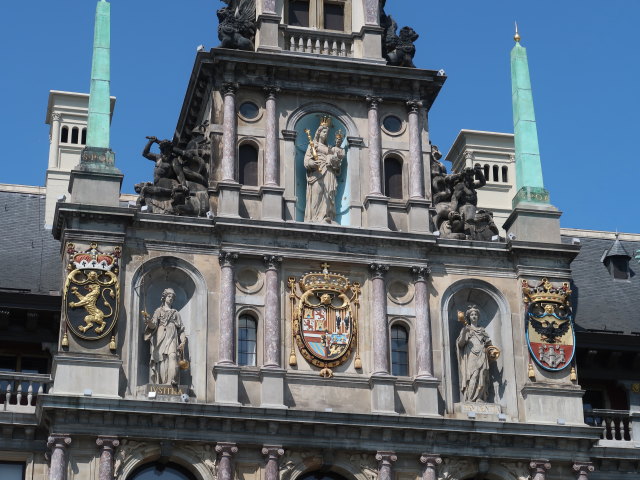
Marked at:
<point>530,186</point>
<point>99,99</point>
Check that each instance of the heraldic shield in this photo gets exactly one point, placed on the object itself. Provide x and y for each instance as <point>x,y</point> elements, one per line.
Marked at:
<point>92,292</point>
<point>325,319</point>
<point>549,324</point>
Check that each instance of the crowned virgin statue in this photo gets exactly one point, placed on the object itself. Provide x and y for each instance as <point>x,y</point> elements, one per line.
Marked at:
<point>323,164</point>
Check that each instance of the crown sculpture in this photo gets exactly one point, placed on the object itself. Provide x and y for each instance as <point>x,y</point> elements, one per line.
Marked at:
<point>546,292</point>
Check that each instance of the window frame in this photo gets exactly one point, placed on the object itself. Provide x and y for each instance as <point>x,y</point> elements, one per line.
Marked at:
<point>255,144</point>
<point>316,15</point>
<point>394,156</point>
<point>404,324</point>
<point>253,315</point>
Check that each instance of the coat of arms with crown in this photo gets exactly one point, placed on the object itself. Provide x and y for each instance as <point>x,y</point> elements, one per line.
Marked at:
<point>325,319</point>
<point>91,293</point>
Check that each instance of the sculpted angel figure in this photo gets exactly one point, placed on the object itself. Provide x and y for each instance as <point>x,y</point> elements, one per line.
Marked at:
<point>165,332</point>
<point>474,352</point>
<point>323,164</point>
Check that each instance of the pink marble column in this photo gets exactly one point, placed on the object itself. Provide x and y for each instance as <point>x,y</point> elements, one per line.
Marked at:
<point>58,445</point>
<point>227,308</point>
<point>230,133</point>
<point>226,451</point>
<point>583,469</point>
<point>107,446</point>
<point>430,463</point>
<point>424,355</point>
<point>271,164</point>
<point>375,147</point>
<point>372,12</point>
<point>416,171</point>
<point>54,146</point>
<point>385,461</point>
<point>538,469</point>
<point>272,320</point>
<point>379,316</point>
<point>273,453</point>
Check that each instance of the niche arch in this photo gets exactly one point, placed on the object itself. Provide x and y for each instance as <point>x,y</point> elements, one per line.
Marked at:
<point>495,316</point>
<point>149,280</point>
<point>306,467</point>
<point>308,117</point>
<point>199,462</point>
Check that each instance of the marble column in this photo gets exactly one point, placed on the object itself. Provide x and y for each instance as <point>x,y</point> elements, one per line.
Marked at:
<point>424,355</point>
<point>380,326</point>
<point>226,451</point>
<point>271,164</point>
<point>538,469</point>
<point>430,463</point>
<point>416,170</point>
<point>375,147</point>
<point>55,140</point>
<point>583,469</point>
<point>227,308</point>
<point>385,460</point>
<point>273,454</point>
<point>107,446</point>
<point>58,445</point>
<point>272,320</point>
<point>229,135</point>
<point>269,6</point>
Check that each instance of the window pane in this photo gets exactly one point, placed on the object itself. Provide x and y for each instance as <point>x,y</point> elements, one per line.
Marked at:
<point>162,472</point>
<point>392,123</point>
<point>249,110</point>
<point>247,340</point>
<point>333,16</point>
<point>299,13</point>
<point>393,178</point>
<point>399,351</point>
<point>11,471</point>
<point>248,165</point>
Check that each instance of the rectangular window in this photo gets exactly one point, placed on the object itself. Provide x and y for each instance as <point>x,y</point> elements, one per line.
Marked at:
<point>333,16</point>
<point>299,13</point>
<point>11,471</point>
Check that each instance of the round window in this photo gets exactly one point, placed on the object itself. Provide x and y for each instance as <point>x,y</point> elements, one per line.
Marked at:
<point>249,110</point>
<point>392,124</point>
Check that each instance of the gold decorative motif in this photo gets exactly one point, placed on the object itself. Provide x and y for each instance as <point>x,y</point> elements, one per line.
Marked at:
<point>573,376</point>
<point>531,372</point>
<point>91,315</point>
<point>65,339</point>
<point>112,344</point>
<point>635,387</point>
<point>546,292</point>
<point>325,121</point>
<point>324,319</point>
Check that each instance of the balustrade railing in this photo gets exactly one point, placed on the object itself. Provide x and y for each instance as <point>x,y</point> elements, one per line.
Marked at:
<point>22,389</point>
<point>318,42</point>
<point>616,423</point>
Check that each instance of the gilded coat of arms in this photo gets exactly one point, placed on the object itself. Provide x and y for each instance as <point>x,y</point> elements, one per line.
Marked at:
<point>549,324</point>
<point>92,292</point>
<point>325,319</point>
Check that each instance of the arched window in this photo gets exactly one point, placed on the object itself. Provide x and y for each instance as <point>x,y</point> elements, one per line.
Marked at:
<point>64,135</point>
<point>247,340</point>
<point>75,132</point>
<point>248,165</point>
<point>159,471</point>
<point>393,177</point>
<point>496,171</point>
<point>399,351</point>
<point>505,174</point>
<point>83,139</point>
<point>486,172</point>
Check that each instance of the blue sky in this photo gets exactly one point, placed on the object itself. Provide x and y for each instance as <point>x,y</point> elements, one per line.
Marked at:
<point>582,56</point>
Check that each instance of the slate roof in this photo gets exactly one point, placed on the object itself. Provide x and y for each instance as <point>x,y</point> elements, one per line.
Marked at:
<point>600,302</point>
<point>30,261</point>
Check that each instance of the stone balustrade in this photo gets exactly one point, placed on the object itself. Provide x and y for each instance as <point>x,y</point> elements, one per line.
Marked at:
<point>616,423</point>
<point>19,391</point>
<point>334,44</point>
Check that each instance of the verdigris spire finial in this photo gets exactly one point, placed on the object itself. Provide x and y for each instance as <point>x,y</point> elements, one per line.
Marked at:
<point>516,37</point>
<point>529,182</point>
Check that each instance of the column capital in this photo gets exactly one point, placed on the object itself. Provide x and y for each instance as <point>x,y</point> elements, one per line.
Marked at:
<point>272,262</point>
<point>58,441</point>
<point>373,102</point>
<point>227,259</point>
<point>582,469</point>
<point>414,106</point>
<point>386,458</point>
<point>56,117</point>
<point>420,274</point>
<point>107,443</point>
<point>271,91</point>
<point>272,452</point>
<point>430,460</point>
<point>229,88</point>
<point>469,155</point>
<point>378,270</point>
<point>226,449</point>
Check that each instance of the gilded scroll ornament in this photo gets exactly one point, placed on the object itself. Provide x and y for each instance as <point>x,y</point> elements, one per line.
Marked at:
<point>325,318</point>
<point>549,324</point>
<point>92,292</point>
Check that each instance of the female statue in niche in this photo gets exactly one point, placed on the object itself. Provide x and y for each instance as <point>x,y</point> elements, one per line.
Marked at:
<point>474,352</point>
<point>323,164</point>
<point>165,332</point>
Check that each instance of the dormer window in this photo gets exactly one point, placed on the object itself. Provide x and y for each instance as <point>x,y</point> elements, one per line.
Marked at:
<point>299,13</point>
<point>616,259</point>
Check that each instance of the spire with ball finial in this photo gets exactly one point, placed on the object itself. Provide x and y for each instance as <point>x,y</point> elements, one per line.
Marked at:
<point>516,37</point>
